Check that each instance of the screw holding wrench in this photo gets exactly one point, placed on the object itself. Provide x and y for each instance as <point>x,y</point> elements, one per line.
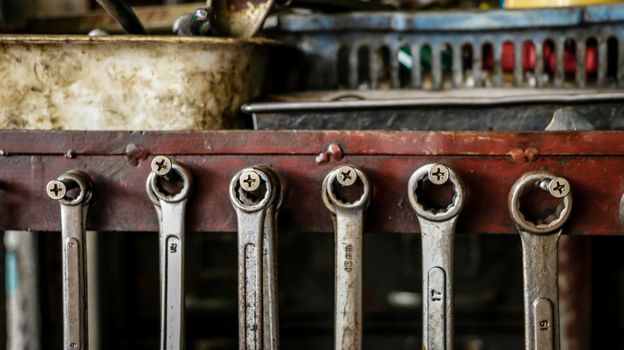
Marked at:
<point>73,223</point>
<point>540,240</point>
<point>256,194</point>
<point>348,220</point>
<point>170,209</point>
<point>438,230</point>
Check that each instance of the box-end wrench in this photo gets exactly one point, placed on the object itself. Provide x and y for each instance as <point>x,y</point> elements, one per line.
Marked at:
<point>269,272</point>
<point>253,195</point>
<point>540,239</point>
<point>348,219</point>
<point>437,228</point>
<point>170,209</point>
<point>73,222</point>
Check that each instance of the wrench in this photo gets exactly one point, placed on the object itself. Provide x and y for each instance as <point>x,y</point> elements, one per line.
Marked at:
<point>438,230</point>
<point>170,209</point>
<point>540,242</point>
<point>348,220</point>
<point>73,223</point>
<point>269,273</point>
<point>253,193</point>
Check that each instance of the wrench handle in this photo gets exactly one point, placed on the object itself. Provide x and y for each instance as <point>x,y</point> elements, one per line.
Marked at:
<point>172,275</point>
<point>437,251</point>
<point>74,277</point>
<point>250,279</point>
<point>269,282</point>
<point>541,292</point>
<point>348,269</point>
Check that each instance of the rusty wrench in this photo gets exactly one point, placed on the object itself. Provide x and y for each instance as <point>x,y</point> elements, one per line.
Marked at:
<point>170,209</point>
<point>437,228</point>
<point>73,222</point>
<point>269,272</point>
<point>540,240</point>
<point>348,219</point>
<point>254,193</point>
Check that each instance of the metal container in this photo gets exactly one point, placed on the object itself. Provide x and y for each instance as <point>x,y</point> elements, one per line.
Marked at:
<point>544,48</point>
<point>128,82</point>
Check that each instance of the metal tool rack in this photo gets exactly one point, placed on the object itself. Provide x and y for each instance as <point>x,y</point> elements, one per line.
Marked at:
<point>488,163</point>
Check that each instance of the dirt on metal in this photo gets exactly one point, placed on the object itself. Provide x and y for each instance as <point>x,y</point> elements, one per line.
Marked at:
<point>127,82</point>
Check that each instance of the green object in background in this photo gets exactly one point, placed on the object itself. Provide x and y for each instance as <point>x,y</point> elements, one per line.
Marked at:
<point>426,57</point>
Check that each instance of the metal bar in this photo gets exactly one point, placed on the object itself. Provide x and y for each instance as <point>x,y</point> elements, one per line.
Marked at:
<point>416,66</point>
<point>518,63</point>
<point>497,46</point>
<point>581,75</point>
<point>389,158</point>
<point>436,65</point>
<point>602,61</point>
<point>539,62</point>
<point>395,81</point>
<point>559,69</point>
<point>458,74</point>
<point>136,147</point>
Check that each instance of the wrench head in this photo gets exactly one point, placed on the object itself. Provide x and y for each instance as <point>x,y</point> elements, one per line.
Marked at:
<point>551,222</point>
<point>156,192</point>
<point>424,174</point>
<point>59,189</point>
<point>336,178</point>
<point>252,198</point>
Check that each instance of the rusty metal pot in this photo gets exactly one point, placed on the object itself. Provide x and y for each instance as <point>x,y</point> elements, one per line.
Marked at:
<point>128,82</point>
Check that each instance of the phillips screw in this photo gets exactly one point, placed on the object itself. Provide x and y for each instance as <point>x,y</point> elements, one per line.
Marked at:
<point>438,174</point>
<point>347,176</point>
<point>559,187</point>
<point>56,190</point>
<point>161,165</point>
<point>249,181</point>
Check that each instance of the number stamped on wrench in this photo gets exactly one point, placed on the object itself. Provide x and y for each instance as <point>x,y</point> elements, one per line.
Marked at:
<point>540,240</point>
<point>348,219</point>
<point>170,208</point>
<point>438,230</point>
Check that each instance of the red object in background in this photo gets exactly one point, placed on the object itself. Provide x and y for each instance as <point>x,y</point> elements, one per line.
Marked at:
<point>528,58</point>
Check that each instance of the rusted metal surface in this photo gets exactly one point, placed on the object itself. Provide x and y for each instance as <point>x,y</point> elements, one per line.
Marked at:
<point>489,163</point>
<point>240,18</point>
<point>126,82</point>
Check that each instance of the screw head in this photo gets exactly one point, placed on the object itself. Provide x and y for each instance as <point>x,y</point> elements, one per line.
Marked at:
<point>249,181</point>
<point>161,165</point>
<point>347,176</point>
<point>56,190</point>
<point>438,174</point>
<point>559,187</point>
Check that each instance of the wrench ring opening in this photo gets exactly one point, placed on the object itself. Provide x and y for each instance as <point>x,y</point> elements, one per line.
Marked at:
<point>331,200</point>
<point>533,179</point>
<point>157,193</point>
<point>84,186</point>
<point>451,211</point>
<point>148,188</point>
<point>269,194</point>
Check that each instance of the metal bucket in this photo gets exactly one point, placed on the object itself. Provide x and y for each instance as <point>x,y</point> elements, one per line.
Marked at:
<point>128,82</point>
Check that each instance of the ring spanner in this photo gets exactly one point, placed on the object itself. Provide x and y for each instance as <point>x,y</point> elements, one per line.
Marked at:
<point>540,239</point>
<point>348,220</point>
<point>437,228</point>
<point>73,222</point>
<point>170,209</point>
<point>256,194</point>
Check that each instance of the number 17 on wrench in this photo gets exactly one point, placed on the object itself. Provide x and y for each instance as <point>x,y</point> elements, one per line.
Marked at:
<point>437,227</point>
